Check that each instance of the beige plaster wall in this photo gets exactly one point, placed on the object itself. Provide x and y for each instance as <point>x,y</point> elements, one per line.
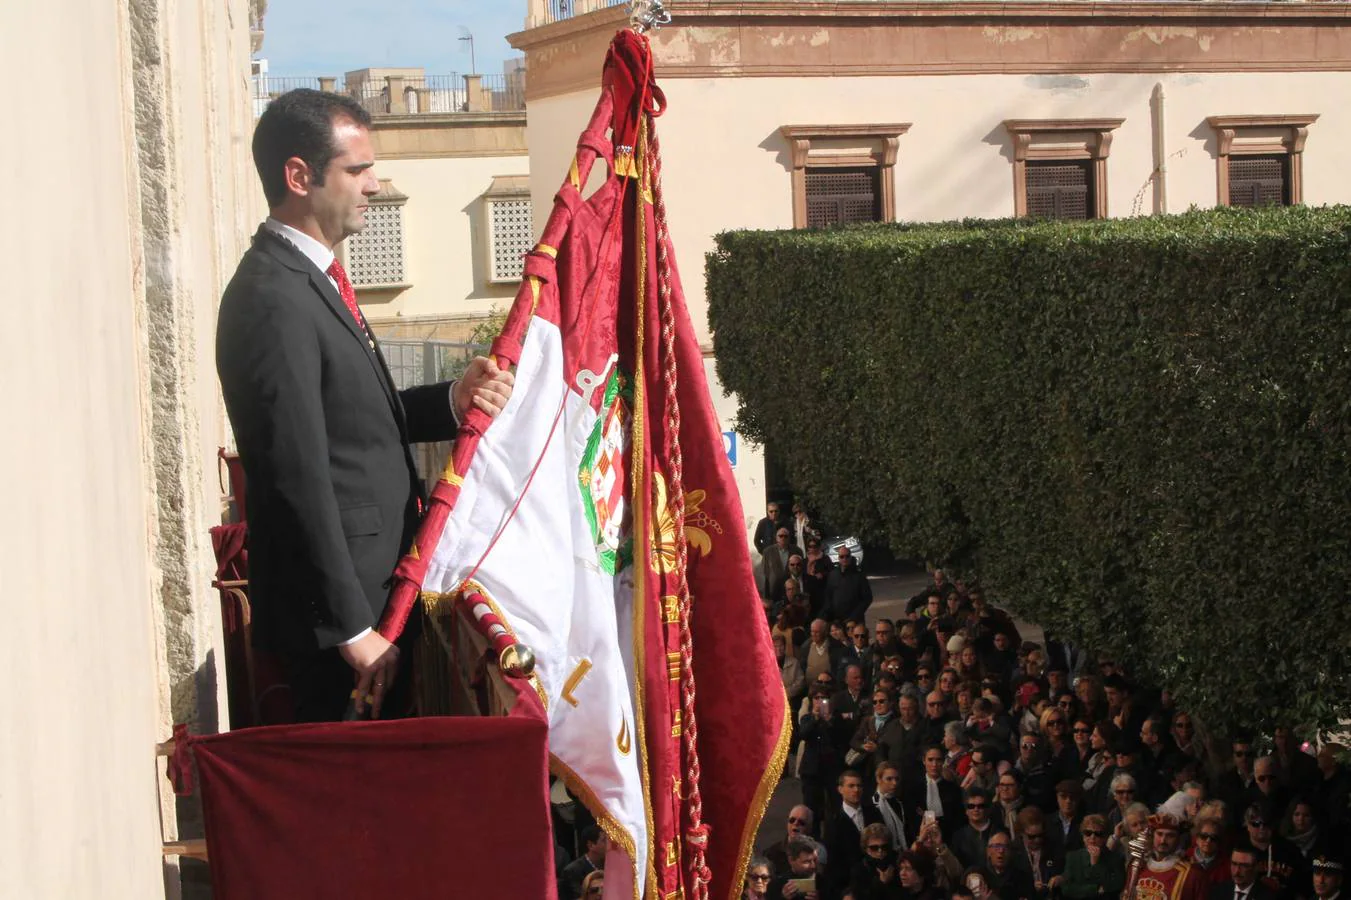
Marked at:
<point>445,242</point>
<point>726,165</point>
<point>129,199</point>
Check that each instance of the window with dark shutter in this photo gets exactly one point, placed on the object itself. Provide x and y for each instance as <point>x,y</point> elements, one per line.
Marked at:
<point>840,196</point>
<point>1259,180</point>
<point>1060,189</point>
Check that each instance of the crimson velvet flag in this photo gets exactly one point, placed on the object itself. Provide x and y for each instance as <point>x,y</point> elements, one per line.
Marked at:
<point>598,517</point>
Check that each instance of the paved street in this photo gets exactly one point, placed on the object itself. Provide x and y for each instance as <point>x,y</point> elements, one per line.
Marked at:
<point>891,589</point>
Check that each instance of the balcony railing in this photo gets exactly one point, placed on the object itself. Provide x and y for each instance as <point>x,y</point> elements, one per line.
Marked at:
<point>397,95</point>
<point>546,11</point>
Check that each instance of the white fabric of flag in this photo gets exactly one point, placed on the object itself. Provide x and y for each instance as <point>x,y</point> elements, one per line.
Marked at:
<point>550,577</point>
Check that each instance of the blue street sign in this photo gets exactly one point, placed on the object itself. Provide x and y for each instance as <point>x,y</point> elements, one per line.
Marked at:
<point>729,446</point>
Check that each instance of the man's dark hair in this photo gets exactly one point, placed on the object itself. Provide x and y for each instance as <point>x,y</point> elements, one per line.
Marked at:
<point>299,123</point>
<point>1245,846</point>
<point>848,773</point>
<point>590,835</point>
<point>976,791</point>
<point>1117,683</point>
<point>799,844</point>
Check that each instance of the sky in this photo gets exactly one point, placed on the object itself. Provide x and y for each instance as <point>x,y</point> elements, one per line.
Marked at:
<point>330,37</point>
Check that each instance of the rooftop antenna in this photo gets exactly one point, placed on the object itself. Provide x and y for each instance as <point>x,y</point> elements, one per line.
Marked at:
<point>467,35</point>
<point>648,15</point>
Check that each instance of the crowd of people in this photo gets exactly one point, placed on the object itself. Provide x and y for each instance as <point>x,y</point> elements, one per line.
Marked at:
<point>940,756</point>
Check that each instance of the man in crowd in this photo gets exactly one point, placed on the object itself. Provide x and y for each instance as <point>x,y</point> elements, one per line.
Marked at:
<point>1008,881</point>
<point>848,594</point>
<point>1166,874</point>
<point>1242,883</point>
<point>900,742</point>
<point>1327,877</point>
<point>767,527</point>
<point>774,560</point>
<point>802,864</point>
<point>844,830</point>
<point>969,841</point>
<point>932,793</point>
<point>799,824</point>
<point>822,653</point>
<point>597,844</point>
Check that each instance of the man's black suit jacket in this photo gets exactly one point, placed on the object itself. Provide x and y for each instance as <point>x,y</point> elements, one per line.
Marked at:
<point>844,844</point>
<point>1225,891</point>
<point>332,491</point>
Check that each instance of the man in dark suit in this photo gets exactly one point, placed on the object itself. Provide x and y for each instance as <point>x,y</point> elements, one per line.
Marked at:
<point>844,831</point>
<point>1243,883</point>
<point>333,497</point>
<point>931,792</point>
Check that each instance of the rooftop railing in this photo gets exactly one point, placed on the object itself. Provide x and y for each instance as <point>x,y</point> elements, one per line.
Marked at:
<point>399,95</point>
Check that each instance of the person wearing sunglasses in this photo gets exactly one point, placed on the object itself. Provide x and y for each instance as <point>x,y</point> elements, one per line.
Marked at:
<point>800,821</point>
<point>969,841</point>
<point>758,877</point>
<point>874,875</point>
<point>1277,859</point>
<point>593,886</point>
<point>1093,871</point>
<point>1208,852</point>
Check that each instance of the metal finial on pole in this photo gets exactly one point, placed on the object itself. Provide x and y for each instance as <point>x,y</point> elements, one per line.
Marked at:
<point>648,15</point>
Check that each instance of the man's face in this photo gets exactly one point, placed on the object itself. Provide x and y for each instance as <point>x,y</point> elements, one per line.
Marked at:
<point>1125,759</point>
<point>909,710</point>
<point>846,559</point>
<point>979,763</point>
<point>795,565</point>
<point>853,678</point>
<point>884,633</point>
<point>790,589</point>
<point>908,637</point>
<point>881,703</point>
<point>940,577</point>
<point>851,790</point>
<point>819,632</point>
<point>1113,697</point>
<point>934,606</point>
<point>1243,868</point>
<point>1326,883</point>
<point>803,863</point>
<point>781,537</point>
<point>1327,759</point>
<point>1066,804</point>
<point>339,204</point>
<point>1056,681</point>
<point>1007,789</point>
<point>1264,773</point>
<point>924,677</point>
<point>1001,641</point>
<point>1243,757</point>
<point>1182,728</point>
<point>997,852</point>
<point>1147,736</point>
<point>772,510</point>
<point>933,763</point>
<point>1259,831</point>
<point>799,820</point>
<point>860,637</point>
<point>977,810</point>
<point>1027,747</point>
<point>887,780</point>
<point>1165,842</point>
<point>934,705</point>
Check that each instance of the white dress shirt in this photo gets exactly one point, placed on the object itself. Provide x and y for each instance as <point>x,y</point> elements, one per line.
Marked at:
<point>855,815</point>
<point>933,800</point>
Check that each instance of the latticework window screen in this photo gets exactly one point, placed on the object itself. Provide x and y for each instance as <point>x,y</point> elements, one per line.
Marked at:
<point>375,254</point>
<point>1259,180</point>
<point>1060,190</point>
<point>840,196</point>
<point>512,231</point>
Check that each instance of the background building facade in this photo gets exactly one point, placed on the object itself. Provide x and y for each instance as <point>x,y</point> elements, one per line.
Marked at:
<point>783,115</point>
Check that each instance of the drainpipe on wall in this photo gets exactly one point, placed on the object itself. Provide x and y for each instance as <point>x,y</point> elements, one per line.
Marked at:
<point>1160,151</point>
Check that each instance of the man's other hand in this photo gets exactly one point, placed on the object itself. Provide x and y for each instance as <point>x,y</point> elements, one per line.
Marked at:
<point>376,662</point>
<point>483,385</point>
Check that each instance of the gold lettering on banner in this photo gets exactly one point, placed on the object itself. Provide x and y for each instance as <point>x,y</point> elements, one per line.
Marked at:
<point>575,679</point>
<point>673,665</point>
<point>676,728</point>
<point>670,610</point>
<point>625,740</point>
<point>671,856</point>
<point>678,894</point>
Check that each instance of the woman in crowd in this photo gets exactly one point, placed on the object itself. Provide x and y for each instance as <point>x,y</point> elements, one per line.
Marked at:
<point>967,663</point>
<point>1132,823</point>
<point>1103,742</point>
<point>1082,734</point>
<point>1088,688</point>
<point>876,875</point>
<point>915,871</point>
<point>1095,870</point>
<point>1300,828</point>
<point>757,879</point>
<point>593,885</point>
<point>1123,795</point>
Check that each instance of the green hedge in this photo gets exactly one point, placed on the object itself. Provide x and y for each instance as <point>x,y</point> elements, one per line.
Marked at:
<point>1136,431</point>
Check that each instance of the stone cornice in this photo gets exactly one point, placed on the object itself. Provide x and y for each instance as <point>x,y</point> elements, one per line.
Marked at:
<point>718,38</point>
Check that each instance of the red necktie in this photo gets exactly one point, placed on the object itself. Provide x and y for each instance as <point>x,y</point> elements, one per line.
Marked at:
<point>349,296</point>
